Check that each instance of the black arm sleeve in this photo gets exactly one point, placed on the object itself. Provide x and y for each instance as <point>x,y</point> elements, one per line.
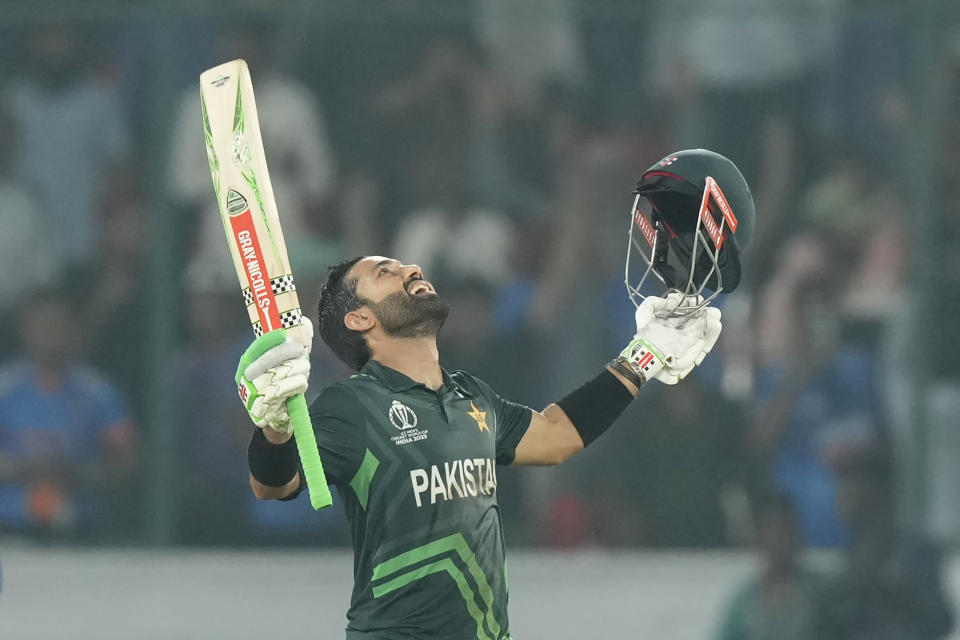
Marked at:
<point>595,406</point>
<point>272,464</point>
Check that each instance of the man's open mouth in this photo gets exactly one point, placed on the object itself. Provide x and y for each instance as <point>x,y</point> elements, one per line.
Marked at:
<point>419,287</point>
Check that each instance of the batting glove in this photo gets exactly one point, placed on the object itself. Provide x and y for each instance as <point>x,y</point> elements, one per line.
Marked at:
<point>273,369</point>
<point>668,346</point>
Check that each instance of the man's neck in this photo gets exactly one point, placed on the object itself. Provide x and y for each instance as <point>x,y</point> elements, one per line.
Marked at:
<point>416,358</point>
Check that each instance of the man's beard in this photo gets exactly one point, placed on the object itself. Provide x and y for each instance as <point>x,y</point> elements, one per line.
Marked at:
<point>405,316</point>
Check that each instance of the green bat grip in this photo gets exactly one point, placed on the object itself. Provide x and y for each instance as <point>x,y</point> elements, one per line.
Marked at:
<point>320,497</point>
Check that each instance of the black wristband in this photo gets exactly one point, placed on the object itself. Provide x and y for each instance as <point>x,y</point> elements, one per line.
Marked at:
<point>596,405</point>
<point>272,464</point>
<point>623,367</point>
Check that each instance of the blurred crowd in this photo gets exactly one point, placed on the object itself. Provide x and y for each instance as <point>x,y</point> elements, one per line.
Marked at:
<point>496,144</point>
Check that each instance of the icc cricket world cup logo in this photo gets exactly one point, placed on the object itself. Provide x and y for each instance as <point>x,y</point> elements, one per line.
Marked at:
<point>401,416</point>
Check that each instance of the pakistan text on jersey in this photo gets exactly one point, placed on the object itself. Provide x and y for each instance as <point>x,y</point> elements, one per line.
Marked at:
<point>470,477</point>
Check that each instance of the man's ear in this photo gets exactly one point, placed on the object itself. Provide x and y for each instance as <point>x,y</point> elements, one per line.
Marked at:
<point>359,320</point>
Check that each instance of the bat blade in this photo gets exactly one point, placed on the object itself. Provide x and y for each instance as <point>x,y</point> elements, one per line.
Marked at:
<point>248,210</point>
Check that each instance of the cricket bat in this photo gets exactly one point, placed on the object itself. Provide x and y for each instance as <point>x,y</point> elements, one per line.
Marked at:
<point>249,215</point>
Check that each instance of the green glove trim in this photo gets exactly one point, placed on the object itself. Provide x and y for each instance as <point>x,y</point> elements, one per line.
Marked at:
<point>248,392</point>
<point>257,348</point>
<point>628,351</point>
<point>644,358</point>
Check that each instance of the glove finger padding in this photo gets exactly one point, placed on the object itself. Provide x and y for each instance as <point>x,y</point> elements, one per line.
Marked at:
<point>682,364</point>
<point>278,385</point>
<point>287,350</point>
<point>712,331</point>
<point>298,369</point>
<point>680,307</point>
<point>664,309</point>
<point>708,326</point>
<point>278,418</point>
<point>265,415</point>
<point>686,361</point>
<point>282,389</point>
<point>647,311</point>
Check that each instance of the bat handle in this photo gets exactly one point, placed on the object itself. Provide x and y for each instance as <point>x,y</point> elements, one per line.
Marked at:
<point>320,497</point>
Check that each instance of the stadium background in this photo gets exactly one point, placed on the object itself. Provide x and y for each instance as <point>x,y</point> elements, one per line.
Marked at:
<point>496,144</point>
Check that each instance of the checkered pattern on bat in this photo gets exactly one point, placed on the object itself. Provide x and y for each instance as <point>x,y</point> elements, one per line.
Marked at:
<point>280,284</point>
<point>292,318</point>
<point>288,319</point>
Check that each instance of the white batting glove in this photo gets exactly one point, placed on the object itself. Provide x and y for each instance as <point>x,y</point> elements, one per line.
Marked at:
<point>668,346</point>
<point>273,369</point>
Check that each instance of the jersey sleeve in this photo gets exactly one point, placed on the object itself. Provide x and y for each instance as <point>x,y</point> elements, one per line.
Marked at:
<point>341,443</point>
<point>511,422</point>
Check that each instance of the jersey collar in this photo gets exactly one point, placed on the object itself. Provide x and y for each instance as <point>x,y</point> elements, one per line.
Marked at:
<point>398,382</point>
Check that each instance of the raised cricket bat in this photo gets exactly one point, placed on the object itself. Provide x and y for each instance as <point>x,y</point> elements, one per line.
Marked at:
<point>249,214</point>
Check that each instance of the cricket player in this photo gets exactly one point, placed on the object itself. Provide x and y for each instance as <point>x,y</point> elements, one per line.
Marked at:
<point>413,449</point>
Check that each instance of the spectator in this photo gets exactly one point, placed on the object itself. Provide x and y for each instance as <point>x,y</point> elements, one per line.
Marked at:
<point>857,203</point>
<point>891,588</point>
<point>450,118</point>
<point>534,44</point>
<point>212,490</point>
<point>815,387</point>
<point>421,104</point>
<point>871,87</point>
<point>923,336</point>
<point>363,49</point>
<point>25,244</point>
<point>67,443</point>
<point>116,297</point>
<point>73,138</point>
<point>782,601</point>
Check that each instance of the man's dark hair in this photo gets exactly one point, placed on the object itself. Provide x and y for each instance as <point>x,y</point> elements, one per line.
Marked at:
<point>338,297</point>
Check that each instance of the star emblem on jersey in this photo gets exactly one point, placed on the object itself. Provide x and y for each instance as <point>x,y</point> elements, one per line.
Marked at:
<point>479,416</point>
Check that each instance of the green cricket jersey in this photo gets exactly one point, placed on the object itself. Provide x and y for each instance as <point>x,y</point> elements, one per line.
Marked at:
<point>416,473</point>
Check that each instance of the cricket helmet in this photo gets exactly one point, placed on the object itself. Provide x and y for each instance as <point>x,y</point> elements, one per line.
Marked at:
<point>692,217</point>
